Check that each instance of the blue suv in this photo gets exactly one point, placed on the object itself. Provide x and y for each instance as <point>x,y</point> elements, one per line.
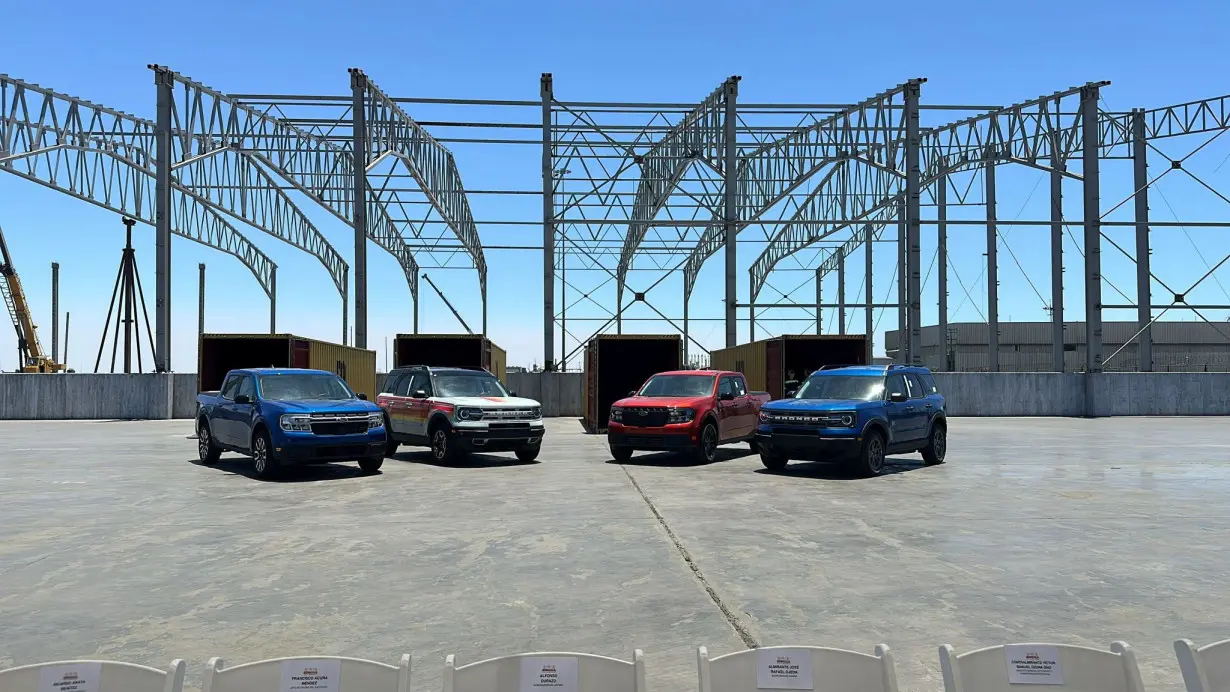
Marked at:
<point>857,414</point>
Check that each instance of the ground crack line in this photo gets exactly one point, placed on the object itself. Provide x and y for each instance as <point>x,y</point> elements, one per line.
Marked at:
<point>739,628</point>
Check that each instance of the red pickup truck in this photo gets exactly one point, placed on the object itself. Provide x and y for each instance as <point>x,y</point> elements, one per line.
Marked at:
<point>690,411</point>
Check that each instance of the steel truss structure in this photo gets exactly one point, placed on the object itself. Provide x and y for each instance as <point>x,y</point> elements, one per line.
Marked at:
<point>635,196</point>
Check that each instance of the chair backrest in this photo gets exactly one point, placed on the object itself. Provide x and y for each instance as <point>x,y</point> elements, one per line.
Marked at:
<point>547,672</point>
<point>1206,669</point>
<point>1056,667</point>
<point>797,668</point>
<point>325,673</point>
<point>93,676</point>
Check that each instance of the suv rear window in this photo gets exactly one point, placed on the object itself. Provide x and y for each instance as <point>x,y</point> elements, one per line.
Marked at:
<point>928,383</point>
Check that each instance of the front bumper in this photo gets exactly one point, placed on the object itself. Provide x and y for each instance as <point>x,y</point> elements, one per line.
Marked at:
<point>667,437</point>
<point>809,445</point>
<point>295,448</point>
<point>490,439</point>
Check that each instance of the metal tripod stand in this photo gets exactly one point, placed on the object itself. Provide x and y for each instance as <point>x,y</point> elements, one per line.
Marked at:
<point>124,303</point>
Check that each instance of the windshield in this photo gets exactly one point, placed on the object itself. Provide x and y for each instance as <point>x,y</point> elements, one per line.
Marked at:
<point>859,387</point>
<point>304,386</point>
<point>678,385</point>
<point>469,384</point>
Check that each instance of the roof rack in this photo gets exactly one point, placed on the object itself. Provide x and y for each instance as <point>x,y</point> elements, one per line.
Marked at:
<point>835,367</point>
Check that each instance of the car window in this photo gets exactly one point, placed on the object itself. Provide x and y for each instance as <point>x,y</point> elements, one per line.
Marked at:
<point>246,387</point>
<point>421,381</point>
<point>737,383</point>
<point>402,386</point>
<point>724,387</point>
<point>390,383</point>
<point>895,384</point>
<point>916,386</point>
<point>928,383</point>
<point>229,387</point>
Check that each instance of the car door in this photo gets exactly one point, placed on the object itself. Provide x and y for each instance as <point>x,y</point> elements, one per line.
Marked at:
<point>727,411</point>
<point>899,414</point>
<point>746,411</point>
<point>922,407</point>
<point>221,423</point>
<point>418,404</point>
<point>397,403</point>
<point>243,415</point>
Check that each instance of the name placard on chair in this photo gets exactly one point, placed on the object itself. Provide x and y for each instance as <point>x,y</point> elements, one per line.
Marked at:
<point>549,674</point>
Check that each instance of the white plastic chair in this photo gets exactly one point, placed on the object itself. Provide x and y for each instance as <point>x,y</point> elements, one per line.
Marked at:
<point>354,674</point>
<point>113,676</point>
<point>1081,669</point>
<point>833,670</point>
<point>1206,669</point>
<point>504,674</point>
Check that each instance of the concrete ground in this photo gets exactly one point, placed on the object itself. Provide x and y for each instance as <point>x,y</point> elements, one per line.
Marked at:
<point>115,543</point>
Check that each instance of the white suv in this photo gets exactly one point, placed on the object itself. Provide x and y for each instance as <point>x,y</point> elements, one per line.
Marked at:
<point>456,411</point>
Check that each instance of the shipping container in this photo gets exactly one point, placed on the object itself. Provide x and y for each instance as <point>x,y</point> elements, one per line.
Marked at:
<point>616,364</point>
<point>770,363</point>
<point>450,351</point>
<point>218,354</point>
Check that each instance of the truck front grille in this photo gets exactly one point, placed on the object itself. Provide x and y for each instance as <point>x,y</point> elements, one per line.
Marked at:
<point>814,420</point>
<point>646,416</point>
<point>339,423</point>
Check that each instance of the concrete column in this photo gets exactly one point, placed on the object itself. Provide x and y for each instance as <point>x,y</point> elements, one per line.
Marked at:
<point>941,261</point>
<point>164,81</point>
<point>1144,293</point>
<point>546,91</point>
<point>992,266</point>
<point>1090,137</point>
<point>731,203</point>
<point>358,115</point>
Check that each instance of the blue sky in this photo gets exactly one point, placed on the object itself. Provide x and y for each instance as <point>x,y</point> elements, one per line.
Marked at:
<point>971,52</point>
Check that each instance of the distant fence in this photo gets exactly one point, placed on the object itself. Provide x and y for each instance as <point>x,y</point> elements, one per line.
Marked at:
<point>89,396</point>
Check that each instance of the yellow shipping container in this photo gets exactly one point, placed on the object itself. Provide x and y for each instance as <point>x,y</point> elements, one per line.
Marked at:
<point>776,365</point>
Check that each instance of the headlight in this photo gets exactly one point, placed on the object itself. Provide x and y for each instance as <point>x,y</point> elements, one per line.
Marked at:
<point>296,422</point>
<point>847,420</point>
<point>765,416</point>
<point>469,413</point>
<point>375,420</point>
<point>536,412</point>
<point>681,415</point>
<point>617,414</point>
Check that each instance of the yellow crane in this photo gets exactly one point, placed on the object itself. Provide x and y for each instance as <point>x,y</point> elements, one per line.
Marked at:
<point>33,359</point>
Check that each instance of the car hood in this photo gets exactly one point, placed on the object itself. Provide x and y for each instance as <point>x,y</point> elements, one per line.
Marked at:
<point>667,401</point>
<point>816,404</point>
<point>491,401</point>
<point>325,406</point>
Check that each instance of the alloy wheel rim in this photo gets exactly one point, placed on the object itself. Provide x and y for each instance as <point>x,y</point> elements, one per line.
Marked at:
<point>875,455</point>
<point>202,442</point>
<point>710,443</point>
<point>258,455</point>
<point>439,444</point>
<point>940,444</point>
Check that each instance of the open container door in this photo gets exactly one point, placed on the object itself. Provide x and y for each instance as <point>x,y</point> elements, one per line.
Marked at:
<point>218,354</point>
<point>624,362</point>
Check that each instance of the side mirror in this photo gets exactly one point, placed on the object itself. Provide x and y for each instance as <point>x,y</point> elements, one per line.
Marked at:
<point>362,396</point>
<point>243,399</point>
<point>897,397</point>
<point>790,393</point>
<point>632,393</point>
<point>512,394</point>
<point>726,396</point>
<point>420,394</point>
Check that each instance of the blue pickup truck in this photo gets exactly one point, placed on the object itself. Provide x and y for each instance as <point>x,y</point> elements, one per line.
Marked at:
<point>286,416</point>
<point>857,414</point>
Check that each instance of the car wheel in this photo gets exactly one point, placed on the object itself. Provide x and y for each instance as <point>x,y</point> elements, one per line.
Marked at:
<point>754,445</point>
<point>870,460</point>
<point>937,445</point>
<point>205,447</point>
<point>441,447</point>
<point>390,447</point>
<point>528,453</point>
<point>706,446</point>
<point>263,462</point>
<point>773,462</point>
<point>621,453</point>
<point>371,464</point>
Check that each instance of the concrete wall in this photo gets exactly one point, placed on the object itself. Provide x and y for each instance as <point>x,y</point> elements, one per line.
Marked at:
<point>1012,393</point>
<point>183,396</point>
<point>558,392</point>
<point>85,396</point>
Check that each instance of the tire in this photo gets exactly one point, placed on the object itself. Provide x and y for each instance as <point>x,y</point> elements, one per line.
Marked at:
<point>706,446</point>
<point>264,463</point>
<point>754,445</point>
<point>528,453</point>
<point>870,461</point>
<point>773,462</point>
<point>621,454</point>
<point>442,449</point>
<point>937,445</point>
<point>205,447</point>
<point>390,444</point>
<point>371,464</point>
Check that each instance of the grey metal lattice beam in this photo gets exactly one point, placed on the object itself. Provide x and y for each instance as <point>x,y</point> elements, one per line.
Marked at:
<point>206,120</point>
<point>1194,117</point>
<point>392,132</point>
<point>872,130</point>
<point>103,156</point>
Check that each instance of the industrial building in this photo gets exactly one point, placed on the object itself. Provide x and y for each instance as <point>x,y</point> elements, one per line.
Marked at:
<point>1026,347</point>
